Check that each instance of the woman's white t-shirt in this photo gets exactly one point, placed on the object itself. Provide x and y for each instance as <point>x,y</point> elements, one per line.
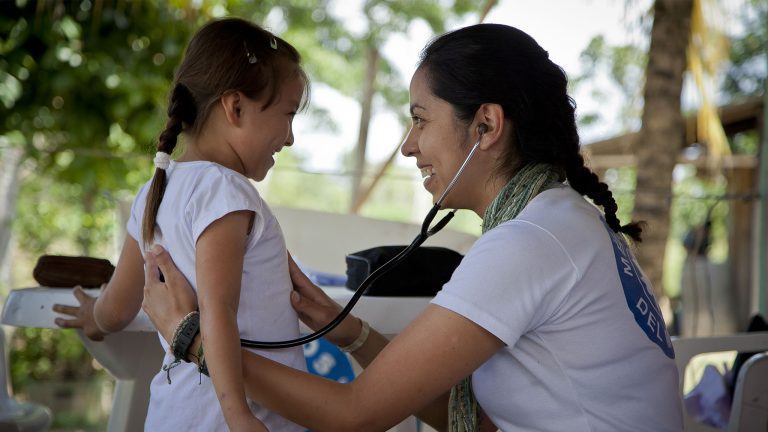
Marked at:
<point>197,194</point>
<point>586,346</point>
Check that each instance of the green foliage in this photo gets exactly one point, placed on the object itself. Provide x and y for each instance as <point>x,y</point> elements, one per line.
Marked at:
<point>394,197</point>
<point>747,73</point>
<point>47,354</point>
<point>59,224</point>
<point>624,65</point>
<point>745,142</point>
<point>292,187</point>
<point>621,182</point>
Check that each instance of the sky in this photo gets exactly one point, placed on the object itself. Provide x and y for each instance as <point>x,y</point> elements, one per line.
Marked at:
<point>562,27</point>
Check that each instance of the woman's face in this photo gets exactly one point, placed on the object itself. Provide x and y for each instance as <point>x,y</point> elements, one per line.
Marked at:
<point>436,140</point>
<point>266,132</point>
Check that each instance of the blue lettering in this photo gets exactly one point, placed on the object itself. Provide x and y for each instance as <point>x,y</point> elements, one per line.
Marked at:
<point>653,323</point>
<point>638,295</point>
<point>642,306</point>
<point>627,267</point>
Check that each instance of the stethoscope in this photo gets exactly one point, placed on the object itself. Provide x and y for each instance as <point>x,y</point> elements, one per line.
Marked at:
<point>423,235</point>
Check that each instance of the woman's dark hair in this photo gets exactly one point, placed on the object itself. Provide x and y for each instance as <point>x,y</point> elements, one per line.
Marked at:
<point>224,56</point>
<point>494,63</point>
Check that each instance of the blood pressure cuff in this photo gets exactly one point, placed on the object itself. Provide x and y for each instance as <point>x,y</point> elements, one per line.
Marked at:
<point>58,271</point>
<point>422,274</point>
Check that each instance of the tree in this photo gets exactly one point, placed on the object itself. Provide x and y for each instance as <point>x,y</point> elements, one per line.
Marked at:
<point>663,129</point>
<point>746,75</point>
<point>83,89</point>
<point>384,18</point>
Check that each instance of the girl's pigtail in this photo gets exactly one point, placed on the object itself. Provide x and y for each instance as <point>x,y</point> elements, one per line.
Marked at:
<point>181,111</point>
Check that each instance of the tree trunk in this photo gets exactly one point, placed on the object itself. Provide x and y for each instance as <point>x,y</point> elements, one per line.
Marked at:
<point>369,89</point>
<point>10,164</point>
<point>662,133</point>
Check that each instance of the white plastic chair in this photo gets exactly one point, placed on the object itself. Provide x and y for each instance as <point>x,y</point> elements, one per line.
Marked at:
<point>18,416</point>
<point>687,348</point>
<point>749,411</point>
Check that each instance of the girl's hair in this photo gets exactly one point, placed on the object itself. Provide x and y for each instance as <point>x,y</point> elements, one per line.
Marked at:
<point>224,56</point>
<point>494,63</point>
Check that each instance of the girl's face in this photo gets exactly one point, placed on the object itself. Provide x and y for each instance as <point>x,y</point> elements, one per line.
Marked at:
<point>266,132</point>
<point>436,140</point>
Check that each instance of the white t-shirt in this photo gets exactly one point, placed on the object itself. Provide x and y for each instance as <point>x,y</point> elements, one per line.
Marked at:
<point>197,194</point>
<point>586,346</point>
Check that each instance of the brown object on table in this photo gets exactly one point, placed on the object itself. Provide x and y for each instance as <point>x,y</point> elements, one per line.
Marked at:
<point>59,271</point>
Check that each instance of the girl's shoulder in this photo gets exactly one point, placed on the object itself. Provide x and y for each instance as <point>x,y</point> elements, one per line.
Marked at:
<point>210,177</point>
<point>204,169</point>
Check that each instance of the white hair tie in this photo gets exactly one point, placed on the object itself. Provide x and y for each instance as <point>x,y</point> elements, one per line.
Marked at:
<point>162,160</point>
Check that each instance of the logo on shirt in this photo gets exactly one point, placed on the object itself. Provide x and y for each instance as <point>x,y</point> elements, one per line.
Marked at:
<point>639,297</point>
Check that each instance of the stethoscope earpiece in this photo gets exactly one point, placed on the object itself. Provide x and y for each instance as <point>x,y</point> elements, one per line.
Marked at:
<point>482,128</point>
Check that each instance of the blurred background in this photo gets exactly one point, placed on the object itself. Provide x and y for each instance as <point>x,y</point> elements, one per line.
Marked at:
<point>83,88</point>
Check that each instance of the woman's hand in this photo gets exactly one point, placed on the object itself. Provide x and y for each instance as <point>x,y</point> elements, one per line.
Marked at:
<point>166,303</point>
<point>316,309</point>
<point>82,315</point>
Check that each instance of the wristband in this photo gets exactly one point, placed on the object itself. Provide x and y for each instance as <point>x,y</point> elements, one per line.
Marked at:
<point>354,346</point>
<point>184,335</point>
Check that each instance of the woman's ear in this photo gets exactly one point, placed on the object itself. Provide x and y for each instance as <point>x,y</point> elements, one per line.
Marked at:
<point>232,104</point>
<point>490,126</point>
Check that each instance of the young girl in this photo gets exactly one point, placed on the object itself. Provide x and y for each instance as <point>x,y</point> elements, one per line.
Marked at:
<point>233,98</point>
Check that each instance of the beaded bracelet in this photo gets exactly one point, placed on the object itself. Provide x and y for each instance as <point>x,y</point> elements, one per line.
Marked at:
<point>184,335</point>
<point>354,346</point>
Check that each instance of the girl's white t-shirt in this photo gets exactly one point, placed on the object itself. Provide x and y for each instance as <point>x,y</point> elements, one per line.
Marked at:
<point>197,194</point>
<point>586,346</point>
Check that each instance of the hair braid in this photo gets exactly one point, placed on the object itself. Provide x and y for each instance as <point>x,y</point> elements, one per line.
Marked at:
<point>586,182</point>
<point>181,110</point>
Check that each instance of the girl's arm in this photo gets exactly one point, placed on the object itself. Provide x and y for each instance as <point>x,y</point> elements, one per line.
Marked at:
<point>219,258</point>
<point>118,303</point>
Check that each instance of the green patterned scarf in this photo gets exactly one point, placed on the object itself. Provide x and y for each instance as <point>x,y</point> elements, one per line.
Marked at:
<point>526,184</point>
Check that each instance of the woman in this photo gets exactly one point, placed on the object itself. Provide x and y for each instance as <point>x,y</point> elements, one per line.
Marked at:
<point>548,312</point>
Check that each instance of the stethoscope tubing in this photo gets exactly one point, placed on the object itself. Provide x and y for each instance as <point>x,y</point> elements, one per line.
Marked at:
<point>423,235</point>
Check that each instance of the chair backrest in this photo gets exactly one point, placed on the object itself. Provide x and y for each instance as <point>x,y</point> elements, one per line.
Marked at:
<point>322,240</point>
<point>5,388</point>
<point>688,348</point>
<point>749,411</point>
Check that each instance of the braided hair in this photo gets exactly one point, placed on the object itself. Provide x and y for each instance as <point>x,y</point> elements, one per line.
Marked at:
<point>225,55</point>
<point>494,63</point>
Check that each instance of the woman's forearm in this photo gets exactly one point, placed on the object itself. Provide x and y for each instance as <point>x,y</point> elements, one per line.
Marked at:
<point>434,414</point>
<point>370,349</point>
<point>314,402</point>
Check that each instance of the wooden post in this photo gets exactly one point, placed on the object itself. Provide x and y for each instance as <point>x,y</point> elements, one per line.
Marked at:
<point>741,239</point>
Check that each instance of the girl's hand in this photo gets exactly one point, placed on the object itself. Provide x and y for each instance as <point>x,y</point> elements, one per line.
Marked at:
<point>316,309</point>
<point>82,315</point>
<point>166,303</point>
